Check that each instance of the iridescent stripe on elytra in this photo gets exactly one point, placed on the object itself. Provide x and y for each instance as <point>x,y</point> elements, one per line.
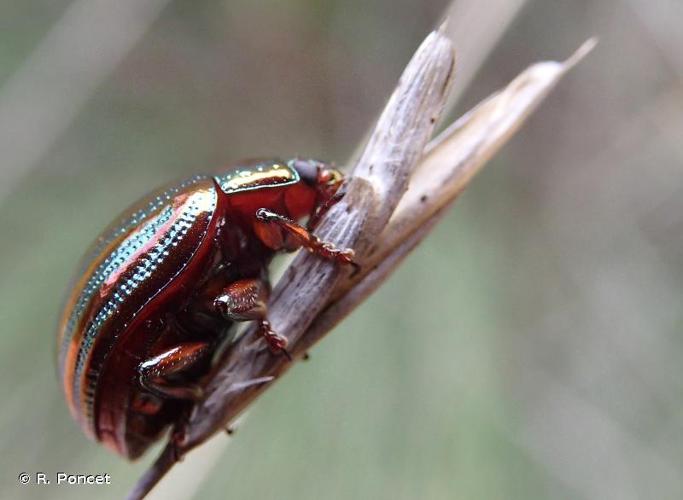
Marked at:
<point>142,272</point>
<point>266,175</point>
<point>109,265</point>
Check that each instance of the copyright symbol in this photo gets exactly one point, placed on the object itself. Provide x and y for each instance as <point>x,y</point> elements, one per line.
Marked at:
<point>24,478</point>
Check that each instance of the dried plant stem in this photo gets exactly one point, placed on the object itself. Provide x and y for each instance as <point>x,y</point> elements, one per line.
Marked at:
<point>380,216</point>
<point>449,164</point>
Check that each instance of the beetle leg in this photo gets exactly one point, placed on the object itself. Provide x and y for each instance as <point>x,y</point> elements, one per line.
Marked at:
<point>246,300</point>
<point>304,238</point>
<point>174,360</point>
<point>322,209</point>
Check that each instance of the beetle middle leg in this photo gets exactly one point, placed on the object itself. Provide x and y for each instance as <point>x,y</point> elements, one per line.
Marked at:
<point>246,300</point>
<point>153,371</point>
<point>273,225</point>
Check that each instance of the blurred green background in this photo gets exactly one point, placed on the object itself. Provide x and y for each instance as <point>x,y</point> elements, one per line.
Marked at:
<point>531,348</point>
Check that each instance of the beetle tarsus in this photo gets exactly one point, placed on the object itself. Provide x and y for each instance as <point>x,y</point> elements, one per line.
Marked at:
<point>174,444</point>
<point>277,343</point>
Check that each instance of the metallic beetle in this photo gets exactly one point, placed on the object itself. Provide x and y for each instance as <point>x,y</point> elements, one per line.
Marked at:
<point>162,287</point>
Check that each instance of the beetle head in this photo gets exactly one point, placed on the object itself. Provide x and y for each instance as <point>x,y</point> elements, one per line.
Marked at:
<point>321,176</point>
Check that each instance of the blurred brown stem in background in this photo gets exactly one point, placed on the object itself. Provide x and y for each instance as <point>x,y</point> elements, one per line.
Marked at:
<point>397,191</point>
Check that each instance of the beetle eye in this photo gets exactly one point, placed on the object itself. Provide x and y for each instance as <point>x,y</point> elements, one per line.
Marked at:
<point>330,177</point>
<point>307,169</point>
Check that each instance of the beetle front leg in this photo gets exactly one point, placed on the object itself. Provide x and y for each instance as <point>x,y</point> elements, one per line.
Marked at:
<point>246,300</point>
<point>301,236</point>
<point>322,209</point>
<point>174,360</point>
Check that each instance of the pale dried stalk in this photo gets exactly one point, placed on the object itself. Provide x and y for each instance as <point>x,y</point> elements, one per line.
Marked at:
<point>449,164</point>
<point>313,295</point>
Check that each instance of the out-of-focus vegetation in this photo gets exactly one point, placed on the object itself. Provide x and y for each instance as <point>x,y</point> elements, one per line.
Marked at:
<point>531,348</point>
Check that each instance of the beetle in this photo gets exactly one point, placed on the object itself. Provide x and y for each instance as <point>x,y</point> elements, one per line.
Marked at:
<point>165,284</point>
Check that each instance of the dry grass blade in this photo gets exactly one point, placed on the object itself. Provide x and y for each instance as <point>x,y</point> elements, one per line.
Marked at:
<point>453,158</point>
<point>314,295</point>
<point>450,162</point>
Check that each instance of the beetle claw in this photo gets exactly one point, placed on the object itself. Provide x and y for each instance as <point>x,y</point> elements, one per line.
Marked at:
<point>176,453</point>
<point>277,343</point>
